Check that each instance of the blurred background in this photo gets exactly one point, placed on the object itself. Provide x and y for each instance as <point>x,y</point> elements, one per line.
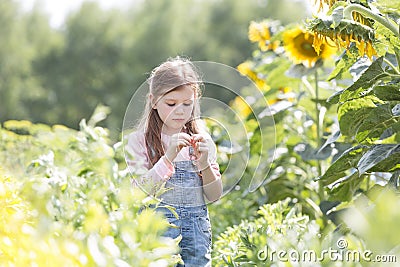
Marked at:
<point>60,59</point>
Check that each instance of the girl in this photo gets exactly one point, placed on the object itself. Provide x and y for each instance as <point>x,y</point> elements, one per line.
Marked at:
<point>172,147</point>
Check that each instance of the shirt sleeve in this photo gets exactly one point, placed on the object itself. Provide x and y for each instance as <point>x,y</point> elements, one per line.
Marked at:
<point>139,164</point>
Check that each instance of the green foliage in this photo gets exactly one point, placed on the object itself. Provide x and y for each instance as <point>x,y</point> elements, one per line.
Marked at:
<point>367,109</point>
<point>331,145</point>
<point>375,224</point>
<point>69,202</point>
<point>302,122</point>
<point>282,236</point>
<point>240,245</point>
<point>367,114</point>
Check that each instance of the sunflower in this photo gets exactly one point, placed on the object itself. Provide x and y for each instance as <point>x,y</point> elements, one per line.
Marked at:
<point>245,69</point>
<point>298,44</point>
<point>260,32</point>
<point>344,34</point>
<point>241,107</point>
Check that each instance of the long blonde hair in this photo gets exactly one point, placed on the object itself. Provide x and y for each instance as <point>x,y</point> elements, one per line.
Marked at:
<point>168,76</point>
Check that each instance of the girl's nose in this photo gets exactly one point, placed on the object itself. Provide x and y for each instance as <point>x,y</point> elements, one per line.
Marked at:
<point>179,109</point>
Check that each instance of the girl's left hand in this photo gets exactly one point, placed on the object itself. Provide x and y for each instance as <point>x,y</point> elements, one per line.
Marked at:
<point>201,150</point>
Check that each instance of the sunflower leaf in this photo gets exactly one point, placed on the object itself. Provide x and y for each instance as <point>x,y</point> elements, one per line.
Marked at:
<point>377,154</point>
<point>370,76</point>
<point>388,92</point>
<point>339,169</point>
<point>334,99</point>
<point>352,114</point>
<point>347,59</point>
<point>345,189</point>
<point>374,124</point>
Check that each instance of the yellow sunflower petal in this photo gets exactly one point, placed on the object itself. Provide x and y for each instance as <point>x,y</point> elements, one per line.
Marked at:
<point>299,45</point>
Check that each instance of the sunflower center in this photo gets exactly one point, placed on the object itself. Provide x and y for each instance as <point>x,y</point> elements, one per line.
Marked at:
<point>305,46</point>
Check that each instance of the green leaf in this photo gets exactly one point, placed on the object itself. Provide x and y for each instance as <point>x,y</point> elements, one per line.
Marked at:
<point>388,6</point>
<point>387,92</point>
<point>344,63</point>
<point>344,191</point>
<point>330,140</point>
<point>363,86</point>
<point>374,124</point>
<point>370,76</point>
<point>389,164</point>
<point>360,66</point>
<point>277,78</point>
<point>334,99</point>
<point>352,114</point>
<point>348,95</point>
<point>377,154</point>
<point>394,180</point>
<point>339,168</point>
<point>390,135</point>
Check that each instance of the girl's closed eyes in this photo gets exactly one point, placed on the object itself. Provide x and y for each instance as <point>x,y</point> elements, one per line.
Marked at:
<point>187,104</point>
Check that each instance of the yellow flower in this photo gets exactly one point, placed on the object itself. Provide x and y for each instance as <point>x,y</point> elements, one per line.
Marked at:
<point>241,107</point>
<point>344,34</point>
<point>298,44</point>
<point>245,69</point>
<point>259,32</point>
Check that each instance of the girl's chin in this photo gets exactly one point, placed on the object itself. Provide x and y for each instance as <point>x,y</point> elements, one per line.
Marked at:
<point>177,124</point>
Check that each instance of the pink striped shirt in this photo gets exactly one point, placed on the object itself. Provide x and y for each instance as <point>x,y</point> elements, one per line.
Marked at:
<point>138,160</point>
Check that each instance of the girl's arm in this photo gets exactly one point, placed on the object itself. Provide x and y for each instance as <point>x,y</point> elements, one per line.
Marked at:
<point>138,164</point>
<point>212,184</point>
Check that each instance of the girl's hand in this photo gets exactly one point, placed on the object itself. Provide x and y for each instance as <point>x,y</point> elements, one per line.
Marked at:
<point>177,142</point>
<point>201,150</point>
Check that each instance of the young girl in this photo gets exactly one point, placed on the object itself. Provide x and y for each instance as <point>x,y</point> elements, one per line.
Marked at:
<point>173,148</point>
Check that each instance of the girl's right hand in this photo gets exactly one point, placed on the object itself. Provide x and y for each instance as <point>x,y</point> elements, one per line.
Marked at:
<point>176,143</point>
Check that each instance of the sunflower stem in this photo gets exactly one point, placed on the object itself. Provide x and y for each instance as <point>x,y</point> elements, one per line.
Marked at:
<point>317,111</point>
<point>317,117</point>
<point>347,14</point>
<point>308,85</point>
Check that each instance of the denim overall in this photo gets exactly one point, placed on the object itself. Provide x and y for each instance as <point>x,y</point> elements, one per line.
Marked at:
<point>185,194</point>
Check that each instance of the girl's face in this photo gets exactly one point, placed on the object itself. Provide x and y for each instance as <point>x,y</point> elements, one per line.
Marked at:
<point>175,108</point>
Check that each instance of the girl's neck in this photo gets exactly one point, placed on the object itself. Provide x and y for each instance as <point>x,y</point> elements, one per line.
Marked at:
<point>171,132</point>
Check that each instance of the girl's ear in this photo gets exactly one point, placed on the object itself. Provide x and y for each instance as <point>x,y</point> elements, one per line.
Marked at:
<point>152,101</point>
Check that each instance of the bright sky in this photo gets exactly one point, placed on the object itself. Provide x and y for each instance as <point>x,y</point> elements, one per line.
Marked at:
<point>59,9</point>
